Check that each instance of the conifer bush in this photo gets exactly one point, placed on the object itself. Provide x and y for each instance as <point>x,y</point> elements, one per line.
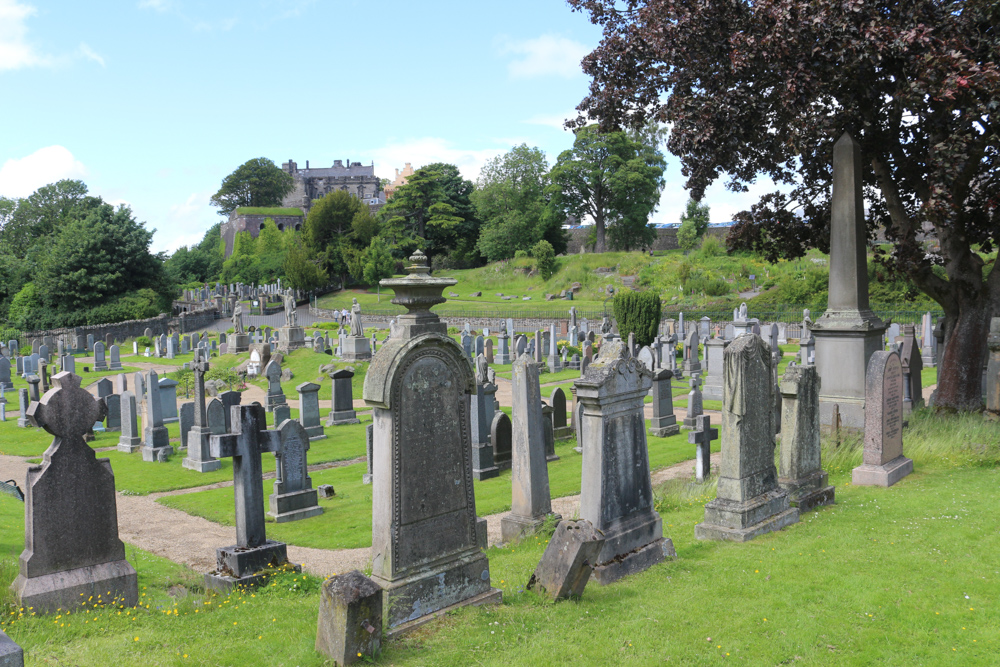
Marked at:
<point>638,313</point>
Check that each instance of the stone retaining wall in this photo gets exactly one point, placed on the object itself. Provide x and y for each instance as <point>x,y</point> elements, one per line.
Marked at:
<point>161,324</point>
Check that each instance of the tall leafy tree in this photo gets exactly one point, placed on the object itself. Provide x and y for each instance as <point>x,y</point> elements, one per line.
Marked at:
<point>767,87</point>
<point>378,262</point>
<point>302,269</point>
<point>613,179</point>
<point>199,263</point>
<point>256,182</point>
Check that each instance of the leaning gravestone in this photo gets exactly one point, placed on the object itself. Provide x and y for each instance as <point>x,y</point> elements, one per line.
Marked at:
<point>293,497</point>
<point>531,503</point>
<point>242,563</point>
<point>883,461</point>
<point>426,551</point>
<point>565,567</point>
<point>617,495</point>
<point>800,473</point>
<point>72,552</point>
<point>749,502</point>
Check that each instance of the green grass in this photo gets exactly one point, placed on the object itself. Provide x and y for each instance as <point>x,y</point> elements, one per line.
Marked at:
<point>268,210</point>
<point>304,364</point>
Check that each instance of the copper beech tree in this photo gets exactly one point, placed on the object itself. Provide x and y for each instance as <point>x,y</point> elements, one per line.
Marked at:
<point>767,87</point>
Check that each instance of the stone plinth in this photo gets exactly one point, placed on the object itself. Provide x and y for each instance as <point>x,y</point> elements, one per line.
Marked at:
<point>349,629</point>
<point>356,348</point>
<point>291,338</point>
<point>240,343</point>
<point>800,473</point>
<point>565,567</point>
<point>884,463</point>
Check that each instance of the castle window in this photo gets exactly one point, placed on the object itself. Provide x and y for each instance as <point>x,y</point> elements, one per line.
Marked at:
<point>262,225</point>
<point>298,226</point>
<point>281,226</point>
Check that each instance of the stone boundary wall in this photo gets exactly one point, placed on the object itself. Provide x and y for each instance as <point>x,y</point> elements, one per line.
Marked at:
<point>161,324</point>
<point>666,238</point>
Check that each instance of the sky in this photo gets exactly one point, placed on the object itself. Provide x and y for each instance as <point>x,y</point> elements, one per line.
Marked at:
<point>153,102</point>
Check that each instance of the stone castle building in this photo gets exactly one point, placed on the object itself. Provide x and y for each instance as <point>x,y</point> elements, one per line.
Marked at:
<point>355,178</point>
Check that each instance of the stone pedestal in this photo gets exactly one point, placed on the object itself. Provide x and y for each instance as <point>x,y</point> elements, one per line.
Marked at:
<point>503,356</point>
<point>291,338</point>
<point>246,566</point>
<point>349,629</point>
<point>356,348</point>
<point>240,343</point>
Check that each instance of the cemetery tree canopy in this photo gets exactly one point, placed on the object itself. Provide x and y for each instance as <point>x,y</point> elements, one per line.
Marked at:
<point>256,182</point>
<point>615,180</point>
<point>768,87</point>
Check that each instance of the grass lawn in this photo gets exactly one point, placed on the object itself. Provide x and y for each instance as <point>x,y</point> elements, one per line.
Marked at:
<point>304,364</point>
<point>898,576</point>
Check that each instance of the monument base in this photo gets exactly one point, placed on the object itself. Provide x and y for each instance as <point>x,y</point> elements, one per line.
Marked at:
<point>201,466</point>
<point>130,447</point>
<point>690,423</point>
<point>315,432</point>
<point>245,566</point>
<point>294,506</point>
<point>665,430</point>
<point>156,436</point>
<point>366,478</point>
<point>342,417</point>
<point>356,348</point>
<point>153,454</point>
<point>633,562</point>
<point>729,520</point>
<point>809,492</point>
<point>513,527</point>
<point>562,432</point>
<point>115,367</point>
<point>69,589</point>
<point>429,592</point>
<point>241,343</point>
<point>100,367</point>
<point>291,338</point>
<point>502,359</point>
<point>884,475</point>
<point>482,462</point>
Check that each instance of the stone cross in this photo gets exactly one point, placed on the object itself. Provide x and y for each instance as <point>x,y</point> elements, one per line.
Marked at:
<point>694,407</point>
<point>199,435</point>
<point>702,438</point>
<point>71,518</point>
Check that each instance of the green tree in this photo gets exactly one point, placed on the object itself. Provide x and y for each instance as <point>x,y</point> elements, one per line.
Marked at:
<point>638,313</point>
<point>271,249</point>
<point>256,182</point>
<point>302,269</point>
<point>510,200</point>
<point>200,263</point>
<point>23,306</point>
<point>687,235</point>
<point>768,87</point>
<point>698,214</point>
<point>379,262</point>
<point>545,258</point>
<point>242,265</point>
<point>612,179</point>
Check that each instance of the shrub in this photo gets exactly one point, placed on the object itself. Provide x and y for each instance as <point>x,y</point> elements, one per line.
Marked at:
<point>638,313</point>
<point>143,341</point>
<point>687,235</point>
<point>711,246</point>
<point>545,258</point>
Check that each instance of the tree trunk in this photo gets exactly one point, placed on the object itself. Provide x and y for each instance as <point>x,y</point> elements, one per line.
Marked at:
<point>965,354</point>
<point>600,245</point>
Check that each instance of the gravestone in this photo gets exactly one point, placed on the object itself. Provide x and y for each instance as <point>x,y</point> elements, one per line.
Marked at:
<point>200,432</point>
<point>185,421</point>
<point>616,492</point>
<point>531,503</point>
<point>72,551</point>
<point>275,396</point>
<point>33,388</point>
<point>229,399</point>
<point>100,361</point>
<point>883,460</point>
<point>90,343</point>
<point>11,655</point>
<point>5,380</point>
<point>692,364</point>
<point>43,352</point>
<point>800,472</point>
<point>369,453</point>
<point>503,345</point>
<point>560,426</point>
<point>129,441</point>
<point>426,551</point>
<point>168,399</point>
<point>701,437</point>
<point>349,628</point>
<point>116,359</point>
<point>488,351</point>
<point>113,407</point>
<point>714,350</point>
<point>293,497</point>
<point>309,410</point>
<point>241,564</point>
<point>992,370</point>
<point>664,423</point>
<point>912,364</point>
<point>550,438</point>
<point>749,501</point>
<point>565,567</point>
<point>23,404</point>
<point>480,419</point>
<point>694,406</point>
<point>646,358</point>
<point>342,411</point>
<point>154,433</point>
<point>501,437</point>
<point>104,388</point>
<point>467,344</point>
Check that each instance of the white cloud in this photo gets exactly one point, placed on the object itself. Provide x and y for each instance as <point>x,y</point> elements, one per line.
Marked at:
<point>90,54</point>
<point>723,203</point>
<point>15,50</point>
<point>184,223</point>
<point>21,177</point>
<point>555,121</point>
<point>543,56</point>
<point>155,5</point>
<point>420,152</point>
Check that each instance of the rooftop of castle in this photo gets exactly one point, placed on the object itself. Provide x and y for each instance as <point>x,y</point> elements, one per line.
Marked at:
<point>340,169</point>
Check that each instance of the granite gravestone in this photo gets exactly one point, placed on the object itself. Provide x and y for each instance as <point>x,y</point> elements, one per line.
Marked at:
<point>116,359</point>
<point>714,350</point>
<point>185,421</point>
<point>113,405</point>
<point>242,563</point>
<point>480,419</point>
<point>749,502</point>
<point>560,424</point>
<point>664,423</point>
<point>617,495</point>
<point>342,411</point>
<point>501,437</point>
<point>130,440</point>
<point>156,441</point>
<point>293,497</point>
<point>72,551</point>
<point>275,396</point>
<point>565,567</point>
<point>100,361</point>
<point>883,460</point>
<point>168,400</point>
<point>530,503</point>
<point>309,410</point>
<point>800,472</point>
<point>426,551</point>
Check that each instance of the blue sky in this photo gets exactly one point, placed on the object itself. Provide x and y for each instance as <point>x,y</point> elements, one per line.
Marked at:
<point>153,102</point>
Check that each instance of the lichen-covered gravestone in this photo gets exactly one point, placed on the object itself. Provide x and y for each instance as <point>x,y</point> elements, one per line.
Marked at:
<point>567,563</point>
<point>72,553</point>
<point>275,396</point>
<point>293,497</point>
<point>883,460</point>
<point>426,552</point>
<point>749,502</point>
<point>616,493</point>
<point>531,502</point>
<point>349,628</point>
<point>800,473</point>
<point>242,563</point>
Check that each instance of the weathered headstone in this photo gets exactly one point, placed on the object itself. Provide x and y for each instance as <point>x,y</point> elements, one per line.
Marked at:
<point>560,426</point>
<point>566,565</point>
<point>113,406</point>
<point>349,628</point>
<point>531,503</point>
<point>168,399</point>
<point>342,410</point>
<point>229,399</point>
<point>694,406</point>
<point>154,433</point>
<point>130,440</point>
<point>293,497</point>
<point>749,502</point>
<point>72,551</point>
<point>883,460</point>
<point>913,395</point>
<point>480,419</point>
<point>23,404</point>
<point>616,494</point>
<point>701,437</point>
<point>241,564</point>
<point>692,364</point>
<point>664,423</point>
<point>104,388</point>
<point>426,551</point>
<point>800,472</point>
<point>5,379</point>
<point>309,410</point>
<point>714,350</point>
<point>116,359</point>
<point>185,421</point>
<point>100,361</point>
